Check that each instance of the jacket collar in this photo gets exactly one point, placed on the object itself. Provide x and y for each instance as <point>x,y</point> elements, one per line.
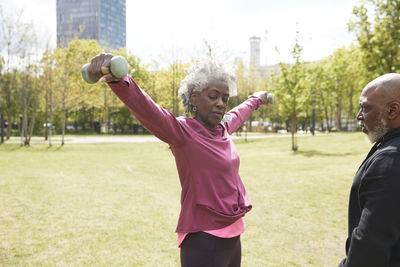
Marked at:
<point>392,133</point>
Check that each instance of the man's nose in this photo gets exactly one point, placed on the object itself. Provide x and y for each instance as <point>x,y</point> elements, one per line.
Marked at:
<point>359,115</point>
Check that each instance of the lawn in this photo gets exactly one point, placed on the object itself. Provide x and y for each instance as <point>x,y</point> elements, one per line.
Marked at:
<point>118,204</point>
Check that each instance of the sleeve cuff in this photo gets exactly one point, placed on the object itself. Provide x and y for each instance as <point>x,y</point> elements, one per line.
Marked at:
<point>124,81</point>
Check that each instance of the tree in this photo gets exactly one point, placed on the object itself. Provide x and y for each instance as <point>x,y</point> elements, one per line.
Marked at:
<point>47,84</point>
<point>249,81</point>
<point>19,47</point>
<point>292,93</point>
<point>71,92</point>
<point>167,83</point>
<point>347,77</point>
<point>379,39</point>
<point>17,38</point>
<point>29,97</point>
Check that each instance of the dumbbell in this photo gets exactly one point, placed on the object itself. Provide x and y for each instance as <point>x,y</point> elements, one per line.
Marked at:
<point>119,68</point>
<point>270,98</point>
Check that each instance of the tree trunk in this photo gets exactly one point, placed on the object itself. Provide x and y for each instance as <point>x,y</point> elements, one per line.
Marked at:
<point>2,126</point>
<point>50,115</point>
<point>21,132</point>
<point>32,122</point>
<point>8,117</point>
<point>328,125</point>
<point>350,118</point>
<point>63,122</point>
<point>339,114</point>
<point>46,117</point>
<point>24,125</point>
<point>293,131</point>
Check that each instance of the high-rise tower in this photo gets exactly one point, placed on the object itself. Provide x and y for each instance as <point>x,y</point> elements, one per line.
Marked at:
<point>255,51</point>
<point>102,20</point>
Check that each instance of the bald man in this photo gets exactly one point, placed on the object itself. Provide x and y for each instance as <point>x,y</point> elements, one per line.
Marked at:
<point>374,206</point>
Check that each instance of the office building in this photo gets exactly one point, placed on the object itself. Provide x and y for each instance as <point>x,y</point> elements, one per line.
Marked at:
<point>102,20</point>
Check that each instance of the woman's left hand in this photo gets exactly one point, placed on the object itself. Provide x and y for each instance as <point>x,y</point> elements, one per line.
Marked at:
<point>263,95</point>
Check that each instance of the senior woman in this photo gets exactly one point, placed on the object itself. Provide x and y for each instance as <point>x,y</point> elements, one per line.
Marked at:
<point>213,198</point>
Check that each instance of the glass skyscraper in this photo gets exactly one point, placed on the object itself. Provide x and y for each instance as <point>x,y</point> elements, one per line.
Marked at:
<point>102,20</point>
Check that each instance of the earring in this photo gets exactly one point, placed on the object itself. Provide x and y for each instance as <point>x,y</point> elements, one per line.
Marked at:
<point>194,108</point>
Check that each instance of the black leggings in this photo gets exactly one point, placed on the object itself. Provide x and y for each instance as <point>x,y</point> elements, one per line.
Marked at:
<point>202,249</point>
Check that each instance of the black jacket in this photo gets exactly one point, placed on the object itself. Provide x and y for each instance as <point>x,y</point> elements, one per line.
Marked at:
<point>374,207</point>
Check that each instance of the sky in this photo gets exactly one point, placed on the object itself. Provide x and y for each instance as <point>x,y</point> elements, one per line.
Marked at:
<point>160,30</point>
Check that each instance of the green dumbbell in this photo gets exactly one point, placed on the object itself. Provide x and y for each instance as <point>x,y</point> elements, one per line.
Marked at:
<point>119,68</point>
<point>270,98</point>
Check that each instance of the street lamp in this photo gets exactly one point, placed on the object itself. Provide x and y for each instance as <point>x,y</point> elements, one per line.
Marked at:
<point>2,125</point>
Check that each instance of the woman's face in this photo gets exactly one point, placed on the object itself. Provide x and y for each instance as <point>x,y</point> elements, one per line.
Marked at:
<point>211,103</point>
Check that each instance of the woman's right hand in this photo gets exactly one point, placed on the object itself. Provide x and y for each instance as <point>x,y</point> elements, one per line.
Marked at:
<point>100,68</point>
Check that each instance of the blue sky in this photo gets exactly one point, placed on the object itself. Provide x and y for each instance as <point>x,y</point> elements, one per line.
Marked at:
<point>161,30</point>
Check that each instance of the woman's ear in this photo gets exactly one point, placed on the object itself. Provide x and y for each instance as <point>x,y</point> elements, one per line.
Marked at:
<point>394,110</point>
<point>193,98</point>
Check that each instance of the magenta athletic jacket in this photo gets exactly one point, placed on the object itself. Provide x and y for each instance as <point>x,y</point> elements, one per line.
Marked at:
<point>213,195</point>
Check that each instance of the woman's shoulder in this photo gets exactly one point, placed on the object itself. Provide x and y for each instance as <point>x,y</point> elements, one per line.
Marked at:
<point>189,123</point>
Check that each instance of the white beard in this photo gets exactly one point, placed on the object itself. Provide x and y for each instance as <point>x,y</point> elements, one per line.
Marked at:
<point>380,130</point>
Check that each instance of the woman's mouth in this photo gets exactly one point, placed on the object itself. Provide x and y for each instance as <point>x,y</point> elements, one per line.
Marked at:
<point>218,114</point>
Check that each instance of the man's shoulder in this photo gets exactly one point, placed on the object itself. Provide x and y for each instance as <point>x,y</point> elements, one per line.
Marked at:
<point>387,152</point>
<point>391,146</point>
<point>386,157</point>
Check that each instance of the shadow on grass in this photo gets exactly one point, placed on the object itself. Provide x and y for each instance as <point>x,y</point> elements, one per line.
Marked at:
<point>248,141</point>
<point>313,153</point>
<point>31,149</point>
<point>10,147</point>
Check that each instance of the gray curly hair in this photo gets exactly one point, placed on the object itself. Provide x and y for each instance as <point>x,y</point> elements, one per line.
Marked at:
<point>200,75</point>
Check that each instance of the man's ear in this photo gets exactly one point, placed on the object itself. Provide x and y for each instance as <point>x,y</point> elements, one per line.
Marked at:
<point>394,110</point>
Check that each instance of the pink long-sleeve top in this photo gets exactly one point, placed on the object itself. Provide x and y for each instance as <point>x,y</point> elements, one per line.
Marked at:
<point>213,196</point>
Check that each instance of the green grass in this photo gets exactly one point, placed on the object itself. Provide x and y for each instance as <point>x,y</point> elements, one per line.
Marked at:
<point>118,204</point>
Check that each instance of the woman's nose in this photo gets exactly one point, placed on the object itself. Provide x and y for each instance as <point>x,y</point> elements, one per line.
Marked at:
<point>220,102</point>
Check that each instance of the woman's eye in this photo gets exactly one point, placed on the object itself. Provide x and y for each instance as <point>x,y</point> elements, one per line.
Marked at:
<point>213,97</point>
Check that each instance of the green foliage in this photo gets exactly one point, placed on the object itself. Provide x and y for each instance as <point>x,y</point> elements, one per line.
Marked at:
<point>336,83</point>
<point>18,46</point>
<point>290,85</point>
<point>292,92</point>
<point>70,87</point>
<point>379,38</point>
<point>249,81</point>
<point>242,83</point>
<point>164,86</point>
